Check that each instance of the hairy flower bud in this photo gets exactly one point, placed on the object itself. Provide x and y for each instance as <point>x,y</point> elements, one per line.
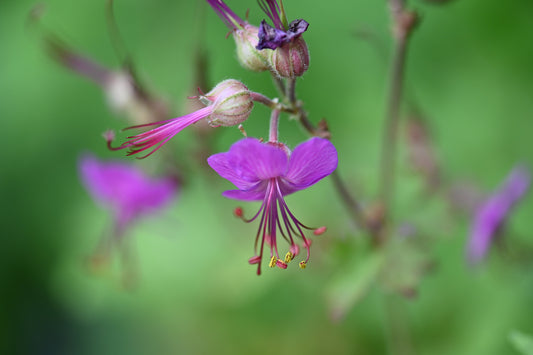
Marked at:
<point>232,103</point>
<point>246,40</point>
<point>291,59</point>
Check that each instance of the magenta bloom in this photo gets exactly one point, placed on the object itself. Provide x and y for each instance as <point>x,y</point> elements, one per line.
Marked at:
<point>492,213</point>
<point>125,190</point>
<point>267,172</point>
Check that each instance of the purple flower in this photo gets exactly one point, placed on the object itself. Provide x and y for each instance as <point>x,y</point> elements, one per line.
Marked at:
<point>125,190</point>
<point>228,104</point>
<point>491,215</point>
<point>281,33</point>
<point>267,172</point>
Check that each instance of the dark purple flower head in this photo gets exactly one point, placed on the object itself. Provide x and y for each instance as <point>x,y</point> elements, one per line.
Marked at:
<point>282,32</point>
<point>491,215</point>
<point>272,38</point>
<point>228,104</point>
<point>267,172</point>
<point>125,189</point>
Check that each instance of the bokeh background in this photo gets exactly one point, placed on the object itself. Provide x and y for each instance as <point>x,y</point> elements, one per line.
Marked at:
<point>469,71</point>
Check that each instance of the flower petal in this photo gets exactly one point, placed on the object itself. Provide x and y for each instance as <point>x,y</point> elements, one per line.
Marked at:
<point>310,162</point>
<point>250,195</point>
<point>297,27</point>
<point>270,37</point>
<point>105,180</point>
<point>219,163</point>
<point>124,187</point>
<point>492,214</point>
<point>249,162</point>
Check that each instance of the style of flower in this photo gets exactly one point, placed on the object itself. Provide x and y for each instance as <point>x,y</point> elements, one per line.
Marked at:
<point>268,172</point>
<point>274,37</point>
<point>228,104</point>
<point>492,214</point>
<point>125,189</point>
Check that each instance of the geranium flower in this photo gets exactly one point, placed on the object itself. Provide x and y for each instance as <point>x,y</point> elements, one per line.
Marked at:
<point>129,194</point>
<point>492,214</point>
<point>268,172</point>
<point>125,190</point>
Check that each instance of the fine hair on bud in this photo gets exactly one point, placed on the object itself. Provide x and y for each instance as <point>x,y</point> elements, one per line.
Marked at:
<point>250,57</point>
<point>291,59</point>
<point>232,103</point>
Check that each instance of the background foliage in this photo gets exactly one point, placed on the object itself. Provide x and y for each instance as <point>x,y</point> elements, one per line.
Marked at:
<point>469,70</point>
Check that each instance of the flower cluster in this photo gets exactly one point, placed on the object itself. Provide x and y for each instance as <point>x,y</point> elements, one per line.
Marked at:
<point>263,171</point>
<point>280,49</point>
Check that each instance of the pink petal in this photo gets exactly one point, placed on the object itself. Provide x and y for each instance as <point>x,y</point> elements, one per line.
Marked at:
<point>248,162</point>
<point>255,194</point>
<point>310,162</point>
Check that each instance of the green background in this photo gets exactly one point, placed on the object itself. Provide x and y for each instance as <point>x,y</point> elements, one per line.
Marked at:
<point>470,71</point>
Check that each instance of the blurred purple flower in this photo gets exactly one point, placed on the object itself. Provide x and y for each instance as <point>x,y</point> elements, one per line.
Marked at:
<point>491,215</point>
<point>125,190</point>
<point>267,172</point>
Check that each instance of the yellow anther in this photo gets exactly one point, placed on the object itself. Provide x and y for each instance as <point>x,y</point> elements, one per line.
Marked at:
<point>273,261</point>
<point>303,264</point>
<point>288,257</point>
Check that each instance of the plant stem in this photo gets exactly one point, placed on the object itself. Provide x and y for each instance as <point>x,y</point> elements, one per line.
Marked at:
<point>353,207</point>
<point>280,85</point>
<point>291,91</point>
<point>274,123</point>
<point>399,338</point>
<point>403,23</point>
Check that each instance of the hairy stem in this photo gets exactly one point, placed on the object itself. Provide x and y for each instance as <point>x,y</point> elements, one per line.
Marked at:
<point>280,84</point>
<point>291,91</point>
<point>274,123</point>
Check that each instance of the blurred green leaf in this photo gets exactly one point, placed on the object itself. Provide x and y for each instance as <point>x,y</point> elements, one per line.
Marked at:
<point>352,284</point>
<point>523,343</point>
